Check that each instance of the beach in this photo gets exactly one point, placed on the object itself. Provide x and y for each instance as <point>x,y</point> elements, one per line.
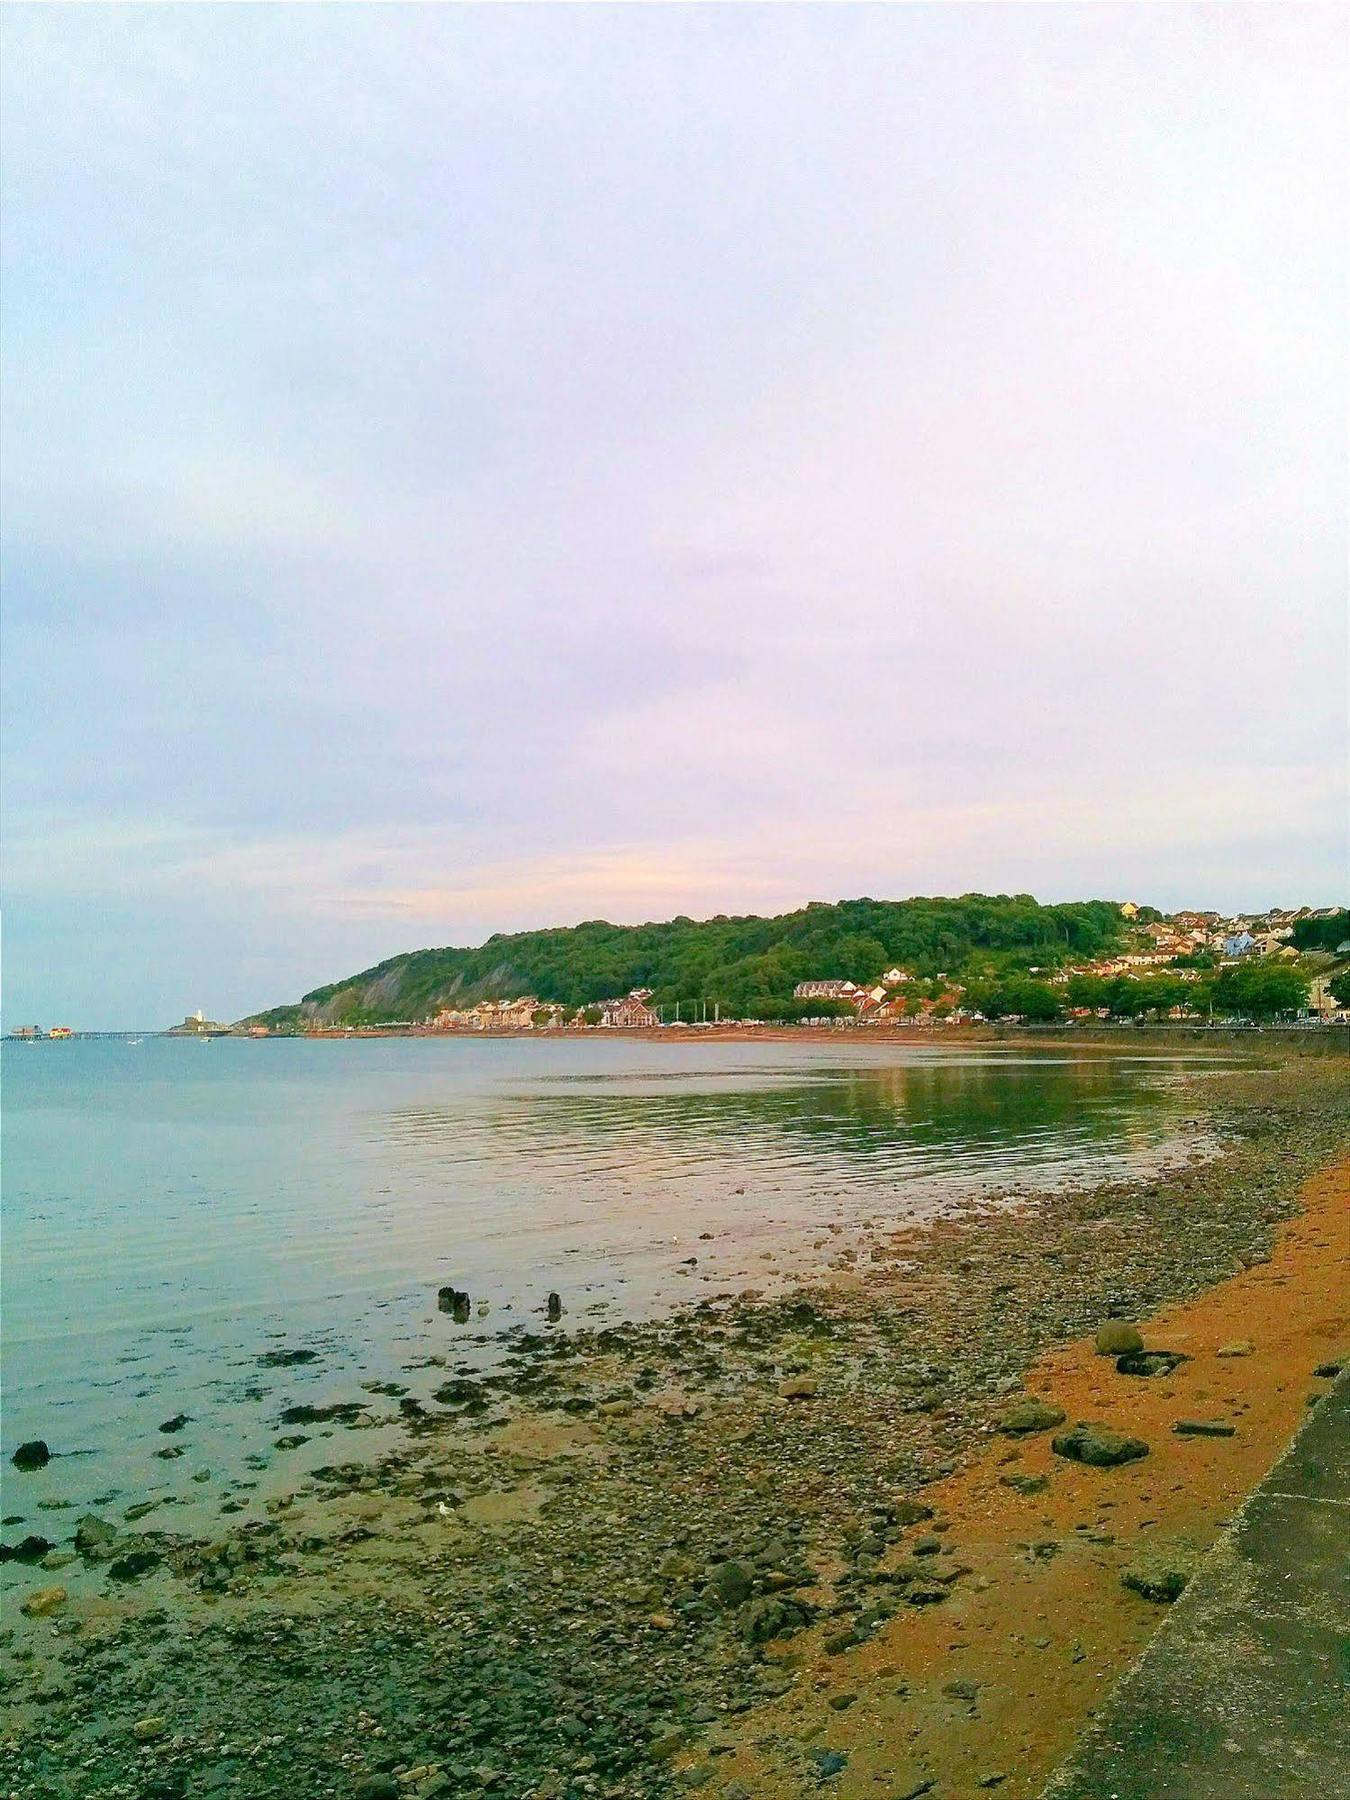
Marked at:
<point>758,1545</point>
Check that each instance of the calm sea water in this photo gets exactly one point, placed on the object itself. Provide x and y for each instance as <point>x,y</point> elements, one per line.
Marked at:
<point>173,1210</point>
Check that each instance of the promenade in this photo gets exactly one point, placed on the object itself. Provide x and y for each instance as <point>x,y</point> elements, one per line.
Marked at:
<point>1243,1694</point>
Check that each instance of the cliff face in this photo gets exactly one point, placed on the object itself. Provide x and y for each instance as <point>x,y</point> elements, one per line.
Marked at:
<point>399,989</point>
<point>746,965</point>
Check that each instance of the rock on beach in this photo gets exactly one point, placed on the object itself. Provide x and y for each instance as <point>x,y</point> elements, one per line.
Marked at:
<point>1115,1337</point>
<point>1098,1446</point>
<point>42,1602</point>
<point>1029,1416</point>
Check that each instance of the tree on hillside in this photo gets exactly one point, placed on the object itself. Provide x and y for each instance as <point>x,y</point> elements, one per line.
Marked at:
<point>1339,987</point>
<point>1016,997</point>
<point>1091,991</point>
<point>861,959</point>
<point>1160,993</point>
<point>1259,990</point>
<point>1124,997</point>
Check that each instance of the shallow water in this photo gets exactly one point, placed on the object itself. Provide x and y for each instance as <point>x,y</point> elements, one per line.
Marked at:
<point>174,1209</point>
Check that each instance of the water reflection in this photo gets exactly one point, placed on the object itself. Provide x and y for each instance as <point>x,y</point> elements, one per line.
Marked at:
<point>869,1124</point>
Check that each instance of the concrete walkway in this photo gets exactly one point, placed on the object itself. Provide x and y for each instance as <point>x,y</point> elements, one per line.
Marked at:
<point>1245,1692</point>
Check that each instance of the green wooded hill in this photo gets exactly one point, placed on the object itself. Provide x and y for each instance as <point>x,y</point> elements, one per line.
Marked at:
<point>747,966</point>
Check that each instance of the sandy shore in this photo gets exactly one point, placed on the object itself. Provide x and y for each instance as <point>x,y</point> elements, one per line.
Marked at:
<point>1042,1626</point>
<point>769,1546</point>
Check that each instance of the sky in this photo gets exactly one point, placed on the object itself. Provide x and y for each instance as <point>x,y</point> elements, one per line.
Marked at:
<point>474,468</point>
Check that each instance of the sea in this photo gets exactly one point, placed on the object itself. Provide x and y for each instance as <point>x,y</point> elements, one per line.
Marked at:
<point>182,1216</point>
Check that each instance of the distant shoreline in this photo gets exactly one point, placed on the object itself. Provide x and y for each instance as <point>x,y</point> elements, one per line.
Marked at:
<point>1332,1036</point>
<point>1321,1038</point>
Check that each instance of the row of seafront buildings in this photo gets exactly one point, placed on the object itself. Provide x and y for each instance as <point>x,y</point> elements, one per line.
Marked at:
<point>628,1011</point>
<point>885,999</point>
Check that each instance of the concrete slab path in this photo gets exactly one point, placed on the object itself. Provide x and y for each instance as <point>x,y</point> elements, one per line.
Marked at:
<point>1245,1692</point>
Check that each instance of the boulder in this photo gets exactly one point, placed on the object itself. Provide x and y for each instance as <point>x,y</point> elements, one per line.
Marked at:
<point>731,1582</point>
<point>799,1387</point>
<point>1115,1337</point>
<point>1328,1371</point>
<point>1031,1415</point>
<point>962,1690</point>
<point>1204,1428</point>
<point>133,1564</point>
<point>32,1455</point>
<point>1149,1362</point>
<point>1160,1576</point>
<point>29,1549</point>
<point>1241,1347</point>
<point>765,1618</point>
<point>44,1601</point>
<point>1098,1446</point>
<point>177,1422</point>
<point>94,1536</point>
<point>910,1512</point>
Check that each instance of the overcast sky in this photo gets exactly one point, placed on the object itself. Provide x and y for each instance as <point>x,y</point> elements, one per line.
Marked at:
<point>476,468</point>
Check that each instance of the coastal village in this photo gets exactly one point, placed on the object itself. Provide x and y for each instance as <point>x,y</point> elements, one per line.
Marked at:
<point>1212,938</point>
